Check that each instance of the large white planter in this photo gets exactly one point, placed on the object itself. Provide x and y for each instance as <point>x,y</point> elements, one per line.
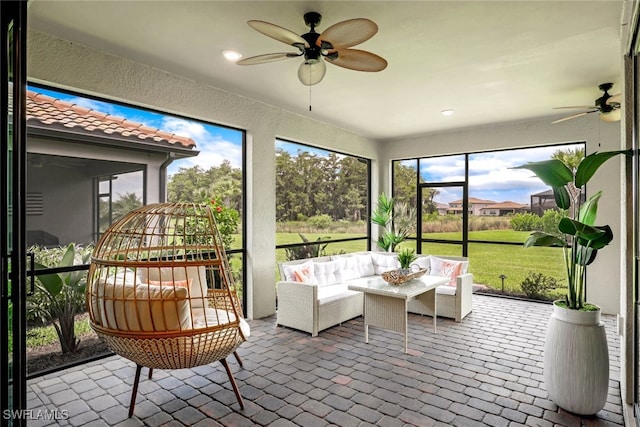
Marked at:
<point>576,361</point>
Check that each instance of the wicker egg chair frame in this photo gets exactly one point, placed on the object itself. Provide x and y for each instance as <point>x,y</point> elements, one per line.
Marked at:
<point>160,291</point>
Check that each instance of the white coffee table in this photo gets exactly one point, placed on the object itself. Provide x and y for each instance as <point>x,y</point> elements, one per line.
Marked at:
<point>385,305</point>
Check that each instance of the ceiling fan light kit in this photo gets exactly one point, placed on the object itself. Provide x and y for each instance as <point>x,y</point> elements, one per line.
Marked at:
<point>332,45</point>
<point>608,106</point>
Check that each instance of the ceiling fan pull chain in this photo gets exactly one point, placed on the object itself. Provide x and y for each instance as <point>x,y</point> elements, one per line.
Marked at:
<point>309,89</point>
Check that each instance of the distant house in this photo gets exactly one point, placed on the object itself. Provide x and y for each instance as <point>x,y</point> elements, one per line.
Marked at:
<point>442,208</point>
<point>504,208</point>
<point>475,206</point>
<point>95,158</point>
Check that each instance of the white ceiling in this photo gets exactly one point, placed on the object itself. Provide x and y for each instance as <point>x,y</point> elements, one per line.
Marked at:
<point>490,61</point>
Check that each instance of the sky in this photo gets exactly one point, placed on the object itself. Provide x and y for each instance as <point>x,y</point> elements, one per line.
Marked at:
<point>215,143</point>
<point>490,174</point>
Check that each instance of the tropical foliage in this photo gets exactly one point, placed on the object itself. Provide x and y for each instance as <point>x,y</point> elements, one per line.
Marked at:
<point>309,250</point>
<point>58,297</point>
<point>397,220</point>
<point>227,220</point>
<point>406,257</point>
<point>578,235</point>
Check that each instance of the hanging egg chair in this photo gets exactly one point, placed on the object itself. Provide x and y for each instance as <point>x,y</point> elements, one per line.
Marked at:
<point>161,294</point>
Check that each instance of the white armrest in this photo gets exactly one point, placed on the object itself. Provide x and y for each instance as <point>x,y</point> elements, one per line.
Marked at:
<point>295,301</point>
<point>464,294</point>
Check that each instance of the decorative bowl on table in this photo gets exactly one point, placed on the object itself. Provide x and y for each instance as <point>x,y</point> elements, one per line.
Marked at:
<point>402,275</point>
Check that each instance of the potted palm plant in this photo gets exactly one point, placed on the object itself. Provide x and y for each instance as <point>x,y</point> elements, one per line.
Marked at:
<point>405,258</point>
<point>397,220</point>
<point>576,358</point>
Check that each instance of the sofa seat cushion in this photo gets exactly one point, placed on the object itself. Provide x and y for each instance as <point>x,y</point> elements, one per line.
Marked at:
<point>384,261</point>
<point>423,262</point>
<point>328,273</point>
<point>446,290</point>
<point>328,294</point>
<point>348,267</point>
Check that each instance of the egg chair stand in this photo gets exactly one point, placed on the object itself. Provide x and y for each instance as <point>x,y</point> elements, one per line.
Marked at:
<point>160,292</point>
<point>232,380</point>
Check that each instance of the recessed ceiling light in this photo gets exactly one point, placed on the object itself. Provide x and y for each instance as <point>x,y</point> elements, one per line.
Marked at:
<point>231,55</point>
<point>447,112</point>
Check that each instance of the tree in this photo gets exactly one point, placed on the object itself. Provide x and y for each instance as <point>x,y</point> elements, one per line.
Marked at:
<point>308,185</point>
<point>124,204</point>
<point>570,157</point>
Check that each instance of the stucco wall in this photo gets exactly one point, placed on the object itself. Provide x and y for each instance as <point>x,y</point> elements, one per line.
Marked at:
<point>59,63</point>
<point>603,275</point>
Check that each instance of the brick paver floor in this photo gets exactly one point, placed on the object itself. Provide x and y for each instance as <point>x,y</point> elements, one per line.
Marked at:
<point>486,370</point>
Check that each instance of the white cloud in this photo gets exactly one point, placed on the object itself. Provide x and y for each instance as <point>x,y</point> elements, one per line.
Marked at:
<point>213,148</point>
<point>182,127</point>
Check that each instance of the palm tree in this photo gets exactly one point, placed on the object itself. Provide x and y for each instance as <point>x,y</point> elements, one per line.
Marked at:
<point>570,157</point>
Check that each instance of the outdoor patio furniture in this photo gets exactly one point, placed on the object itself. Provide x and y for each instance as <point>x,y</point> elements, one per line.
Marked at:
<point>313,293</point>
<point>385,304</point>
<point>160,291</point>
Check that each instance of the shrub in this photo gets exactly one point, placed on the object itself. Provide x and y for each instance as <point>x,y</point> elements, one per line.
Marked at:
<point>320,221</point>
<point>310,250</point>
<point>537,285</point>
<point>226,221</point>
<point>550,221</point>
<point>60,296</point>
<point>526,222</point>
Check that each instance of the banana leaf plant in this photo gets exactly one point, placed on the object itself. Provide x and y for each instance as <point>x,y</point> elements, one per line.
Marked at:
<point>63,297</point>
<point>577,233</point>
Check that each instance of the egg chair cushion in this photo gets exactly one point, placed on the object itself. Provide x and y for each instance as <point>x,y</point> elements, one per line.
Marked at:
<point>208,317</point>
<point>166,275</point>
<point>142,307</point>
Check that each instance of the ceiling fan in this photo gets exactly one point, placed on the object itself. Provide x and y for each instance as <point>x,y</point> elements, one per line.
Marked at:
<point>333,45</point>
<point>607,105</point>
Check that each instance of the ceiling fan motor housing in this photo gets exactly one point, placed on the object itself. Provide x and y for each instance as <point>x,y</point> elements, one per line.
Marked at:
<point>602,101</point>
<point>313,52</point>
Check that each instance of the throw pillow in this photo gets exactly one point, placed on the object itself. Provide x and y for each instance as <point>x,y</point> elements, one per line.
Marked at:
<point>302,272</point>
<point>436,265</point>
<point>452,270</point>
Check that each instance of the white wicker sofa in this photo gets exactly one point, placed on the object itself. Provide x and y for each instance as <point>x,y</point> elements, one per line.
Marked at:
<point>313,293</point>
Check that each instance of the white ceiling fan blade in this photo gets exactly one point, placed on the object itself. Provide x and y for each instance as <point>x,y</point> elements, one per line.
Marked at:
<point>611,116</point>
<point>348,33</point>
<point>359,60</point>
<point>278,33</point>
<point>574,116</point>
<point>268,57</point>
<point>311,74</point>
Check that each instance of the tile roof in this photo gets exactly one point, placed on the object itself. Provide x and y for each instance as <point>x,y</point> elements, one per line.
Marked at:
<point>49,111</point>
<point>507,205</point>
<point>472,200</point>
